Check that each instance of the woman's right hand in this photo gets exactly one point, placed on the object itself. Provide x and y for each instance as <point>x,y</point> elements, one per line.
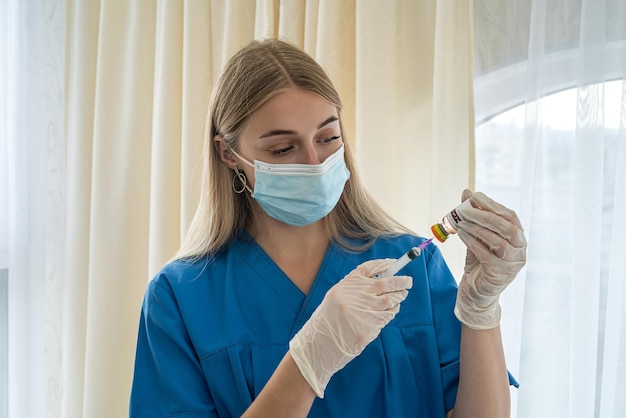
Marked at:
<point>350,317</point>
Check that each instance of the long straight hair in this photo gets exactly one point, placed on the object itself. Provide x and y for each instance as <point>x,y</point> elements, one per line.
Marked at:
<point>254,75</point>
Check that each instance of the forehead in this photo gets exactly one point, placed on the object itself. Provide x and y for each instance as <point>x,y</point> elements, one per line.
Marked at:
<point>294,109</point>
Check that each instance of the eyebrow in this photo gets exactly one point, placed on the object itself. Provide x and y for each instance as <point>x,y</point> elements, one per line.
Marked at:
<point>275,132</point>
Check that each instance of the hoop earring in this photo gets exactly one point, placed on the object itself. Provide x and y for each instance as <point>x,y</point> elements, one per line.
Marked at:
<point>239,175</point>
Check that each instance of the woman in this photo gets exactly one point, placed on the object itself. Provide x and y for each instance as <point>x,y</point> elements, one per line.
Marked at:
<point>273,305</point>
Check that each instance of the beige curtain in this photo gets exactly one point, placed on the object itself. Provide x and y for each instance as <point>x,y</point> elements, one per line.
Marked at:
<point>139,75</point>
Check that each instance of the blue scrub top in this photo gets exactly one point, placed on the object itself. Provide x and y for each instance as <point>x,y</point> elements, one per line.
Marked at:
<point>213,331</point>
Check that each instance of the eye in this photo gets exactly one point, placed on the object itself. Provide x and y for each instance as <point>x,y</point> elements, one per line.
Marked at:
<point>331,139</point>
<point>281,151</point>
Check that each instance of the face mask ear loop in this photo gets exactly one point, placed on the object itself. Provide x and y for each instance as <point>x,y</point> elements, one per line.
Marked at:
<point>240,177</point>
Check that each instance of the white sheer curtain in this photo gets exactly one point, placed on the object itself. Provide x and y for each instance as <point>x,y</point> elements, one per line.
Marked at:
<point>553,72</point>
<point>31,173</point>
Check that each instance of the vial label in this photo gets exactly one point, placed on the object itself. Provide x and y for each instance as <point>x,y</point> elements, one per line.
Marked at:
<point>456,215</point>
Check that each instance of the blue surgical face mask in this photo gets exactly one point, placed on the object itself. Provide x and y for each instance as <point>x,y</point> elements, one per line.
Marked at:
<point>299,194</point>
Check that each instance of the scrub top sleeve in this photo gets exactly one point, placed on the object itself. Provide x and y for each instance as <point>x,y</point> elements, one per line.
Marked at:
<point>168,379</point>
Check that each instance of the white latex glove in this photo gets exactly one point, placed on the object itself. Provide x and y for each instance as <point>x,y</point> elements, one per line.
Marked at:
<point>496,252</point>
<point>350,317</point>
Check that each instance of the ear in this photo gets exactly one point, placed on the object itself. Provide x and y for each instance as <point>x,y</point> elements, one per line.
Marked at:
<point>224,152</point>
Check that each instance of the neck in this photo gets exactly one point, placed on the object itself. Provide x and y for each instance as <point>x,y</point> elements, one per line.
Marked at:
<point>279,238</point>
<point>298,251</point>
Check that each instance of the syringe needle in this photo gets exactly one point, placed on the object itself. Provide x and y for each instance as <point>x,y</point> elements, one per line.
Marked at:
<point>425,244</point>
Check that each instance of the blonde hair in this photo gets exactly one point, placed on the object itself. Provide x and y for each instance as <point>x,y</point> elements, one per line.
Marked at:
<point>254,75</point>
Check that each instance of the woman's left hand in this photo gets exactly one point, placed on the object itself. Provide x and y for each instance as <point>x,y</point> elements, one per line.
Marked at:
<point>496,252</point>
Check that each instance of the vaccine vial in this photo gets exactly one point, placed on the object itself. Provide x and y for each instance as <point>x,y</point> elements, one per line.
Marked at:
<point>450,222</point>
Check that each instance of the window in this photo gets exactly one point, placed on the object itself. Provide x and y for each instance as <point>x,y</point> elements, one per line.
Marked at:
<point>558,160</point>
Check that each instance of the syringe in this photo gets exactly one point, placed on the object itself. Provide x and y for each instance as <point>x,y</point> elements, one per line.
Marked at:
<point>409,256</point>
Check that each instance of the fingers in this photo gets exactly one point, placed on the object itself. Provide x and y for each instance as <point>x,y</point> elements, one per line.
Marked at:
<point>387,292</point>
<point>372,267</point>
<point>471,262</point>
<point>500,225</point>
<point>372,294</point>
<point>480,251</point>
<point>393,284</point>
<point>482,201</point>
<point>477,238</point>
<point>387,284</point>
<point>389,301</point>
<point>495,270</point>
